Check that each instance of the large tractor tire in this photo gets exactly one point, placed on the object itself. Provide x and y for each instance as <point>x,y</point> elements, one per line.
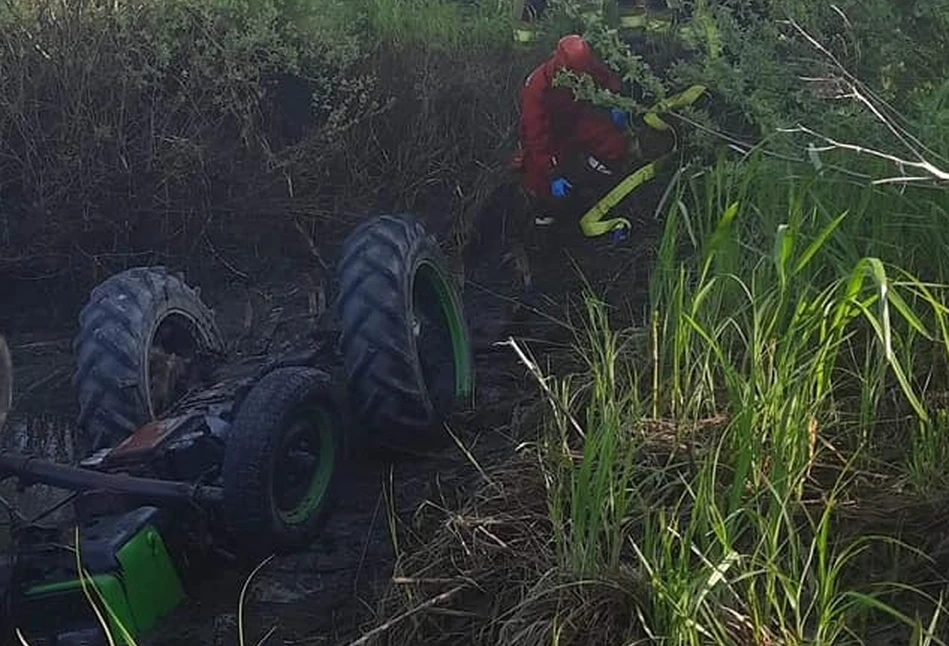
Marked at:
<point>404,339</point>
<point>143,337</point>
<point>284,456</point>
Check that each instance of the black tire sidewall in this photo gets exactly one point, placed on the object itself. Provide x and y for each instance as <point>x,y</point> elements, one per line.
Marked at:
<point>250,460</point>
<point>380,263</point>
<point>117,327</point>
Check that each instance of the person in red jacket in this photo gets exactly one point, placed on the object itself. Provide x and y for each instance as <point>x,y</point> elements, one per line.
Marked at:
<point>556,130</point>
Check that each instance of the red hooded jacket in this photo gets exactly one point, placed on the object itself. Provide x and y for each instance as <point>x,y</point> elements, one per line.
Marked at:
<point>552,120</point>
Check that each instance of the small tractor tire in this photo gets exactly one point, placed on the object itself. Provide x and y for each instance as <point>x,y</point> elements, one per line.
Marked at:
<point>289,411</point>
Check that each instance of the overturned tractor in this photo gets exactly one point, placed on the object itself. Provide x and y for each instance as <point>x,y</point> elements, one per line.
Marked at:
<point>186,453</point>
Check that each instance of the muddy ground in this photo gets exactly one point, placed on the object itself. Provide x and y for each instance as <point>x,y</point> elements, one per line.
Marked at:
<point>327,594</point>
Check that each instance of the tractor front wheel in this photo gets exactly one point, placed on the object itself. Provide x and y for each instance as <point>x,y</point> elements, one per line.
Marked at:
<point>282,461</point>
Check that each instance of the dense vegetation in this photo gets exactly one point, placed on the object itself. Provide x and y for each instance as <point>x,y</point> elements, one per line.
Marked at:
<point>764,459</point>
<point>132,130</point>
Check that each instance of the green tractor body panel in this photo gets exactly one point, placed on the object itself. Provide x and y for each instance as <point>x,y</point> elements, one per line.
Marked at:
<point>151,581</point>
<point>69,593</point>
<point>131,577</point>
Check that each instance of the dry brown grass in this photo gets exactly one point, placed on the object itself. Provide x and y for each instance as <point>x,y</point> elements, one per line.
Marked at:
<point>495,556</point>
<point>133,133</point>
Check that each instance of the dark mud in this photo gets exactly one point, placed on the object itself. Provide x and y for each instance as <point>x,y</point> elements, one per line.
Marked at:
<point>327,594</point>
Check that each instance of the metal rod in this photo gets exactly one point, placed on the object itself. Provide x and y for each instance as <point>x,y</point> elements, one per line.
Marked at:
<point>31,470</point>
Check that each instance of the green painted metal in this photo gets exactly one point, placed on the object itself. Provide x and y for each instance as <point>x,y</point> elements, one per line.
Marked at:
<point>152,584</point>
<point>110,588</point>
<point>322,476</point>
<point>145,588</point>
<point>464,383</point>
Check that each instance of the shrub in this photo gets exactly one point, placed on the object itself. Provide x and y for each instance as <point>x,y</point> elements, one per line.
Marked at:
<point>134,130</point>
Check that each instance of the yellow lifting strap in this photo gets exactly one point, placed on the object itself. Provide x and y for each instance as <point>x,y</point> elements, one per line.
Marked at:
<point>649,23</point>
<point>592,225</point>
<point>680,100</point>
<point>522,35</point>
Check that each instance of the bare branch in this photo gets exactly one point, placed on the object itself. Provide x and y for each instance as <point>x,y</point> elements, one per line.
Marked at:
<point>842,15</point>
<point>865,97</point>
<point>902,179</point>
<point>934,172</point>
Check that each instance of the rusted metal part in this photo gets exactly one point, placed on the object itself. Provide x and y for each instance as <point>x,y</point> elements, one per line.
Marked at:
<point>145,440</point>
<point>106,471</point>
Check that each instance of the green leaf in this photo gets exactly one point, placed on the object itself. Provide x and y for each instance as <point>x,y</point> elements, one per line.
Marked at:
<point>781,254</point>
<point>819,242</point>
<point>908,314</point>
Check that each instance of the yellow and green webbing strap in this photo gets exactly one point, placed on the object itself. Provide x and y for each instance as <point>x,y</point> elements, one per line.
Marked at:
<point>637,17</point>
<point>680,100</point>
<point>649,23</point>
<point>524,31</point>
<point>524,34</point>
<point>629,19</point>
<point>592,223</point>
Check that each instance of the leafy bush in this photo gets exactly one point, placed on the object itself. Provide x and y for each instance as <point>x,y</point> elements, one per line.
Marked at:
<point>772,66</point>
<point>120,125</point>
<point>135,129</point>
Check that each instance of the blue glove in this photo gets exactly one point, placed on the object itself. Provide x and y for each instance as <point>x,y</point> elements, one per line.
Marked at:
<point>560,187</point>
<point>620,117</point>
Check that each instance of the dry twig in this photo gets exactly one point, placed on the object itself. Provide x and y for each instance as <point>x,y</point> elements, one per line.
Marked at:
<point>863,96</point>
<point>434,601</point>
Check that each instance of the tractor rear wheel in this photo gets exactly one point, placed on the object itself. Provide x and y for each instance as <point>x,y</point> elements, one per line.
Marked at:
<point>142,336</point>
<point>404,339</point>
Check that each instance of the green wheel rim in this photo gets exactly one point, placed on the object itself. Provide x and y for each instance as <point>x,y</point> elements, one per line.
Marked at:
<point>319,429</point>
<point>430,275</point>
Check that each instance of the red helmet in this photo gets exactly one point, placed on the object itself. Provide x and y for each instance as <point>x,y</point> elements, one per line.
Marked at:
<point>574,54</point>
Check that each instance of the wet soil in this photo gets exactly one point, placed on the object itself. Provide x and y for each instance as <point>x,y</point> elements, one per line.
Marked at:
<point>327,594</point>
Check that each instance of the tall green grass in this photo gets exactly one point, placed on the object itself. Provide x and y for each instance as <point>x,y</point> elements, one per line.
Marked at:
<point>800,309</point>
<point>590,498</point>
